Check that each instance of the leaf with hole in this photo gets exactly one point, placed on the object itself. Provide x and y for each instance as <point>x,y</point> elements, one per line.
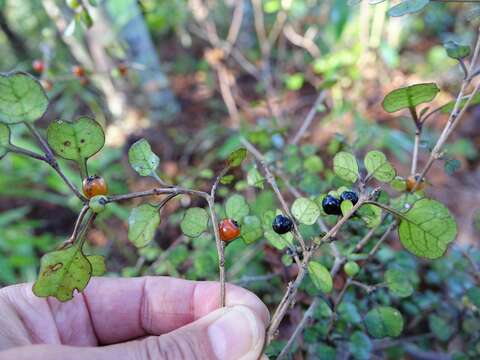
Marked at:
<point>143,160</point>
<point>398,283</point>
<point>427,228</point>
<point>4,139</point>
<point>407,7</point>
<point>345,166</point>
<point>320,276</point>
<point>142,224</point>
<point>378,166</point>
<point>22,98</point>
<point>384,321</point>
<point>77,140</point>
<point>305,211</point>
<point>62,272</point>
<point>409,96</point>
<point>251,229</point>
<point>236,207</point>
<point>194,222</point>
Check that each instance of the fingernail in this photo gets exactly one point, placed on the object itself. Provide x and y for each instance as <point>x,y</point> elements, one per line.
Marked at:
<point>236,334</point>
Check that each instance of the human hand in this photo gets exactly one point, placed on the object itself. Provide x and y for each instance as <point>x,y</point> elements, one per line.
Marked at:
<point>136,318</point>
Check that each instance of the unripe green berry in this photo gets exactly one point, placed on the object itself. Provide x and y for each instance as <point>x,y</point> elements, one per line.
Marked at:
<point>97,203</point>
<point>351,268</point>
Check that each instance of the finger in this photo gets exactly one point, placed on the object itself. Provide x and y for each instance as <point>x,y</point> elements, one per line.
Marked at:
<point>225,334</point>
<point>117,310</point>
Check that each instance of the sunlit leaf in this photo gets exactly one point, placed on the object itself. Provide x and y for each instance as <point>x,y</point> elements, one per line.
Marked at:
<point>305,211</point>
<point>320,276</point>
<point>62,272</point>
<point>409,96</point>
<point>194,222</point>
<point>407,7</point>
<point>345,166</point>
<point>427,229</point>
<point>22,98</point>
<point>384,321</point>
<point>254,178</point>
<point>379,167</point>
<point>143,160</point>
<point>142,224</point>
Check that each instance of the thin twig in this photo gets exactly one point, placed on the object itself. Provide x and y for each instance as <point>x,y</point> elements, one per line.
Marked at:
<point>309,118</point>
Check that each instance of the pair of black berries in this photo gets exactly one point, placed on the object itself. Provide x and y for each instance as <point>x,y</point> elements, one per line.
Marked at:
<point>331,205</point>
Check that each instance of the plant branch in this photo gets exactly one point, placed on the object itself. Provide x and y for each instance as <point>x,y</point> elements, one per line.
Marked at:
<point>309,118</point>
<point>76,228</point>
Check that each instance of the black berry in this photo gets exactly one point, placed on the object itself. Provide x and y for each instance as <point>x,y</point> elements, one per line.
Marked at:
<point>282,224</point>
<point>349,195</point>
<point>331,205</point>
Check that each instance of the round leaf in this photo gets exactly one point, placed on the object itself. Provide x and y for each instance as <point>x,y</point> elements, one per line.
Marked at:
<point>384,321</point>
<point>142,224</point>
<point>305,211</point>
<point>251,229</point>
<point>345,166</point>
<point>76,140</point>
<point>23,98</point>
<point>397,283</point>
<point>62,272</point>
<point>236,207</point>
<point>427,229</point>
<point>4,139</point>
<point>194,222</point>
<point>346,206</point>
<point>410,96</point>
<point>456,51</point>
<point>379,167</point>
<point>407,7</point>
<point>320,276</point>
<point>142,158</point>
<point>236,157</point>
<point>360,346</point>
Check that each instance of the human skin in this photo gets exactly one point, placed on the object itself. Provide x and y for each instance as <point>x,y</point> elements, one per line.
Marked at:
<point>142,318</point>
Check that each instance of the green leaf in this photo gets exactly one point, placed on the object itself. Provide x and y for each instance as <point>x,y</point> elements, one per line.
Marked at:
<point>313,164</point>
<point>427,229</point>
<point>143,160</point>
<point>22,98</point>
<point>320,276</point>
<point>407,7</point>
<point>236,207</point>
<point>456,51</point>
<point>4,139</point>
<point>440,327</point>
<point>474,295</point>
<point>236,157</point>
<point>345,166</point>
<point>194,222</point>
<point>379,167</point>
<point>448,107</point>
<point>251,229</point>
<point>384,321</point>
<point>360,346</point>
<point>227,179</point>
<point>62,272</point>
<point>76,140</point>
<point>142,224</point>
<point>305,211</point>
<point>371,214</point>
<point>295,81</point>
<point>409,96</point>
<point>346,206</point>
<point>397,283</point>
<point>98,264</point>
<point>254,178</point>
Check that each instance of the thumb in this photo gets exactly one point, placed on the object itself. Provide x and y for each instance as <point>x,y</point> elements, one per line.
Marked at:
<point>230,333</point>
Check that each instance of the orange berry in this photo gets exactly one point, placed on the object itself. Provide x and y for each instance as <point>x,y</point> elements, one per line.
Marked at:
<point>78,71</point>
<point>123,69</point>
<point>38,66</point>
<point>94,186</point>
<point>411,180</point>
<point>229,230</point>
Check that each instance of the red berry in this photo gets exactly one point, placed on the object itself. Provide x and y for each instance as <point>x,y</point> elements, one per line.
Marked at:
<point>38,66</point>
<point>94,186</point>
<point>78,71</point>
<point>229,230</point>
